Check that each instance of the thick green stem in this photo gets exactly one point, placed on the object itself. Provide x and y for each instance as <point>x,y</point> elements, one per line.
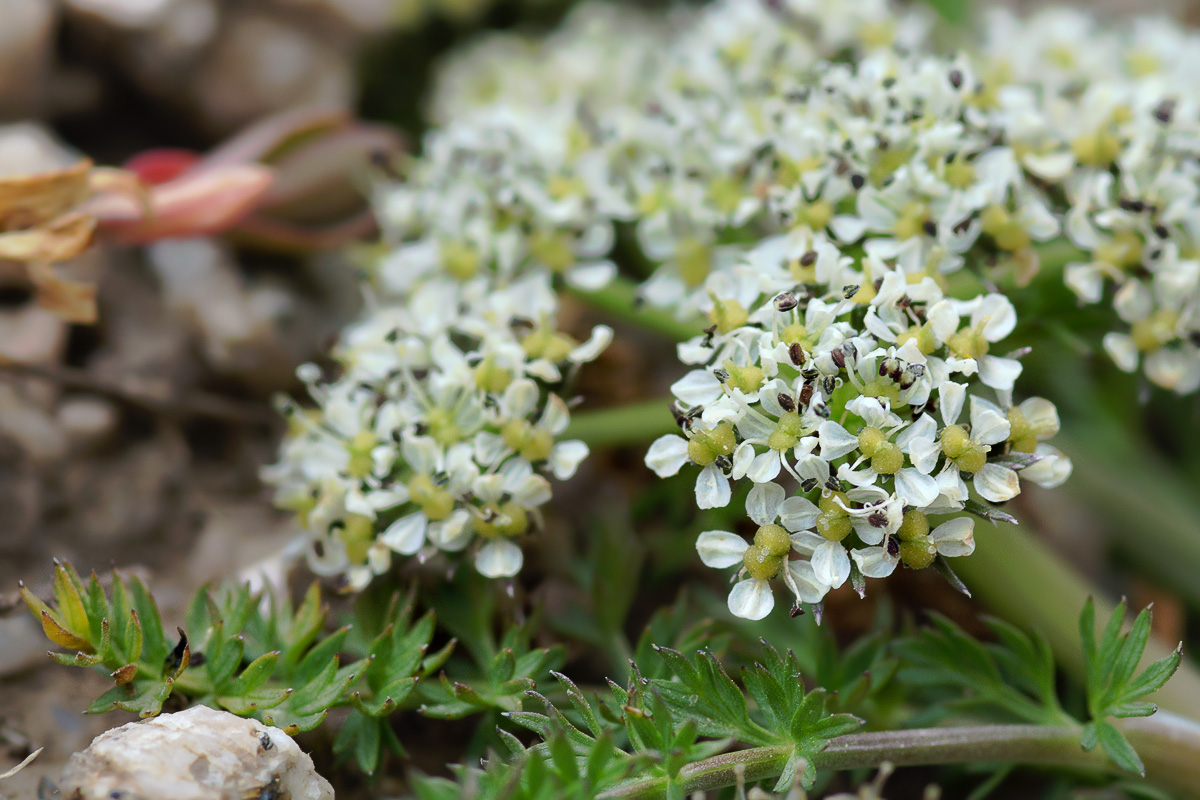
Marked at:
<point>631,424</point>
<point>1021,579</point>
<point>1151,508</point>
<point>1169,746</point>
<point>620,299</point>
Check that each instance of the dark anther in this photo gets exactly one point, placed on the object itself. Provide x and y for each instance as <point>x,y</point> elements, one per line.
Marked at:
<point>849,291</point>
<point>830,385</point>
<point>796,353</point>
<point>889,82</point>
<point>786,301</point>
<point>796,611</point>
<point>806,393</point>
<point>857,181</point>
<point>930,227</point>
<point>1161,231</point>
<point>392,336</point>
<point>721,374</point>
<point>821,410</point>
<point>808,259</point>
<point>1136,206</point>
<point>956,78</point>
<point>839,357</point>
<point>808,484</point>
<point>264,740</point>
<point>833,484</point>
<point>786,402</point>
<point>1164,111</point>
<point>893,546</point>
<point>877,519</point>
<point>724,462</point>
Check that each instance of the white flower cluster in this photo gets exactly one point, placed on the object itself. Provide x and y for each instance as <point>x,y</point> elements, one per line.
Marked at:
<point>824,188</point>
<point>857,404</point>
<point>440,432</point>
<point>755,117</point>
<point>1108,121</point>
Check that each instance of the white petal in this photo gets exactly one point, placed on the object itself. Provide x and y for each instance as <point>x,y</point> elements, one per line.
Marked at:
<point>874,562</point>
<point>765,467</point>
<point>943,319</point>
<point>805,584</point>
<point>798,513</point>
<point>764,501</point>
<point>743,457</point>
<point>545,369</point>
<point>847,228</point>
<point>520,397</point>
<point>499,558</point>
<point>997,315</point>
<point>953,396</point>
<point>988,425</point>
<point>915,488</point>
<point>421,453</point>
<point>925,428</point>
<point>1122,351</point>
<point>751,599</point>
<point>565,458</point>
<point>1053,470</point>
<point>1042,416</point>
<point>601,336</point>
<point>453,533</point>
<point>699,387</point>
<point>667,455</point>
<point>555,417</point>
<point>712,488</point>
<point>830,564</point>
<point>407,534</point>
<point>592,277</point>
<point>835,440</point>
<point>997,483</point>
<point>720,549</point>
<point>954,538</point>
<point>999,373</point>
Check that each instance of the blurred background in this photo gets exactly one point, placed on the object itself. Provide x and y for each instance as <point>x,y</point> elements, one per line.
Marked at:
<point>137,440</point>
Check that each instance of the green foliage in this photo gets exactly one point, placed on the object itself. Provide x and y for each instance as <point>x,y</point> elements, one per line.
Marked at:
<point>498,672</point>
<point>650,734</point>
<point>955,12</point>
<point>250,654</point>
<point>1113,688</point>
<point>1015,676</point>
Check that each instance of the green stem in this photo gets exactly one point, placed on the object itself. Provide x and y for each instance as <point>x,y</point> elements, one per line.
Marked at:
<point>1169,746</point>
<point>1149,507</point>
<point>631,424</point>
<point>620,299</point>
<point>1021,579</point>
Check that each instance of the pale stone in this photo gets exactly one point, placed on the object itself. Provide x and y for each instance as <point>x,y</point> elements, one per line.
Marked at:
<point>197,754</point>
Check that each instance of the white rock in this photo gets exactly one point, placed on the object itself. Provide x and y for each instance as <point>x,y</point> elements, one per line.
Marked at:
<point>198,754</point>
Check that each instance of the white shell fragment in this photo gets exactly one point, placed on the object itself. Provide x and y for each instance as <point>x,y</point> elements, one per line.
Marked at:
<point>197,754</point>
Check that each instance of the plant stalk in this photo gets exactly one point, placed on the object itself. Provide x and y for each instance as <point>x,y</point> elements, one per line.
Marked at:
<point>1169,745</point>
<point>623,425</point>
<point>620,300</point>
<point>1024,581</point>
